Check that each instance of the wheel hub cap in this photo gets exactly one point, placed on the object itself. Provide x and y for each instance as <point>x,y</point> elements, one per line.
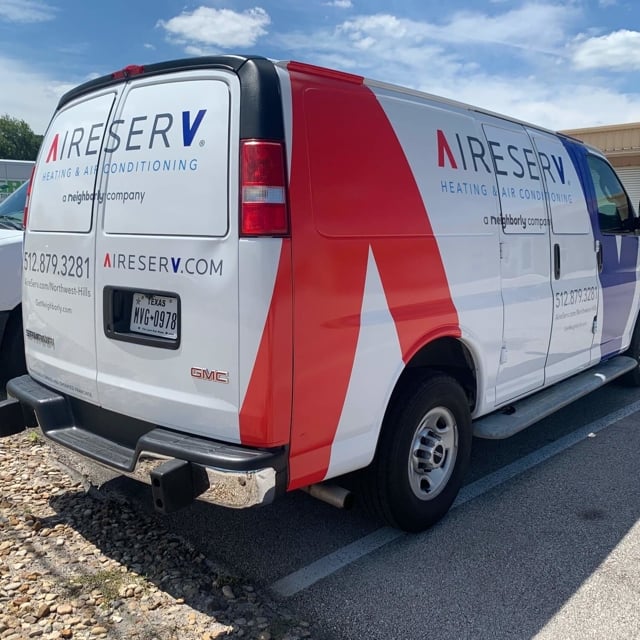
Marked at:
<point>430,453</point>
<point>433,453</point>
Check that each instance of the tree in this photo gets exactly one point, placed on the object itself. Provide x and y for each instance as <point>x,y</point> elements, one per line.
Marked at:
<point>17,140</point>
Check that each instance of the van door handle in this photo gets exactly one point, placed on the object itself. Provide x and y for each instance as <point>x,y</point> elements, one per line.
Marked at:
<point>556,261</point>
<point>599,255</point>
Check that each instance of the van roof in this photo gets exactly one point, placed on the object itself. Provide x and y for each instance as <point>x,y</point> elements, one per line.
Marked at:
<point>256,80</point>
<point>260,109</point>
<point>229,62</point>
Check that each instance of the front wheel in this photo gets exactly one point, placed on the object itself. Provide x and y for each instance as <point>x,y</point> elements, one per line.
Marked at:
<point>423,453</point>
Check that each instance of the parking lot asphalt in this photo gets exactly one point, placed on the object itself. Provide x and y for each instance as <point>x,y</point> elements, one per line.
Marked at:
<point>551,554</point>
<point>546,543</point>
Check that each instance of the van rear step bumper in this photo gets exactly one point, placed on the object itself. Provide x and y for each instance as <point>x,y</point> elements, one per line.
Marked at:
<point>179,467</point>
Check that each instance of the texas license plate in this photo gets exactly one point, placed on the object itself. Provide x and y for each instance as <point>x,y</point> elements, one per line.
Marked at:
<point>154,315</point>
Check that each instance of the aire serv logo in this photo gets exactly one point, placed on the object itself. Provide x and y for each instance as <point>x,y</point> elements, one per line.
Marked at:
<point>131,134</point>
<point>472,154</point>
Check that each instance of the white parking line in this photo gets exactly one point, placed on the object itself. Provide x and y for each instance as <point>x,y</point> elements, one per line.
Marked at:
<point>325,566</point>
<point>514,469</point>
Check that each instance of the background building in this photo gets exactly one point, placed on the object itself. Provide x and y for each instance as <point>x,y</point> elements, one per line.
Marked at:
<point>621,144</point>
<point>12,174</point>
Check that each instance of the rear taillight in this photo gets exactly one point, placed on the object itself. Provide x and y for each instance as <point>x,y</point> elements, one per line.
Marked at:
<point>263,194</point>
<point>25,215</point>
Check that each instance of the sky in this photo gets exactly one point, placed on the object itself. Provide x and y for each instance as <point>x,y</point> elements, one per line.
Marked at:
<point>561,64</point>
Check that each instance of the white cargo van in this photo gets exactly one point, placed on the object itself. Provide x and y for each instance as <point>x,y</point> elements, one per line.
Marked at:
<point>11,335</point>
<point>14,175</point>
<point>244,277</point>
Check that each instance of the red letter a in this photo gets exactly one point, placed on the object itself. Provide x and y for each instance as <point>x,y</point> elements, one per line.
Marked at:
<point>443,147</point>
<point>53,150</point>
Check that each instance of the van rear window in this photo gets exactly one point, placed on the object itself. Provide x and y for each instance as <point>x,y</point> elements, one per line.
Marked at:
<point>64,183</point>
<point>165,170</point>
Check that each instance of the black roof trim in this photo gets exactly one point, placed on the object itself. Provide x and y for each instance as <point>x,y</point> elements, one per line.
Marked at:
<point>260,105</point>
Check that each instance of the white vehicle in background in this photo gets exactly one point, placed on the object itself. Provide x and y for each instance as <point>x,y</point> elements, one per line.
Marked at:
<point>11,340</point>
<point>13,173</point>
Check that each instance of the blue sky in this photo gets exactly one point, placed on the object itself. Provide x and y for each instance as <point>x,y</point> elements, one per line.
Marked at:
<point>558,63</point>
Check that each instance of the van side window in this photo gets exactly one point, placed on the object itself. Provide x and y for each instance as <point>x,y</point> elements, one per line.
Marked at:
<point>615,214</point>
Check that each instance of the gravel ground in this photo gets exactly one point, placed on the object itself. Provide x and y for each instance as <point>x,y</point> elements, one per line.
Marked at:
<point>78,565</point>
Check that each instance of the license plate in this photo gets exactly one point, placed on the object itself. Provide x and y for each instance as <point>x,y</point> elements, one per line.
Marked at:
<point>154,315</point>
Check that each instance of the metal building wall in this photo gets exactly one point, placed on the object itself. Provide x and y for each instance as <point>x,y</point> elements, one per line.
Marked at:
<point>630,177</point>
<point>620,143</point>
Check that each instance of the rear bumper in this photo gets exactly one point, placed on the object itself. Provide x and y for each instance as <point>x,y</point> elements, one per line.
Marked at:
<point>178,466</point>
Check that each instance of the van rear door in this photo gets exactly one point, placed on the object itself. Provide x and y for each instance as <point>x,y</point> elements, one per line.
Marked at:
<point>59,292</point>
<point>167,254</point>
<point>132,247</point>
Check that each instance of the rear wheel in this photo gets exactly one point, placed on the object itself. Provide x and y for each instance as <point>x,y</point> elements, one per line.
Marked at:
<point>423,453</point>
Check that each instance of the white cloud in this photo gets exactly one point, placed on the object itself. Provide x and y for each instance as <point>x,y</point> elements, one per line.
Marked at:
<point>381,46</point>
<point>540,102</point>
<point>193,50</point>
<point>619,50</point>
<point>472,57</point>
<point>532,26</point>
<point>414,53</point>
<point>429,47</point>
<point>26,11</point>
<point>217,27</point>
<point>340,4</point>
<point>28,95</point>
<point>380,27</point>
<point>444,58</point>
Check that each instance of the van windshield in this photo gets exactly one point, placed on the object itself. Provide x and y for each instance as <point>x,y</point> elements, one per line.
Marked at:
<point>12,209</point>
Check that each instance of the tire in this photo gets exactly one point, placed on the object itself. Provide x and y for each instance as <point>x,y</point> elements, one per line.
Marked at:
<point>632,378</point>
<point>423,454</point>
<point>12,360</point>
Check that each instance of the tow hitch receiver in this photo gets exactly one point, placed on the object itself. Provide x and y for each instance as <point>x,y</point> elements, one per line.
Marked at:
<point>12,419</point>
<point>176,484</point>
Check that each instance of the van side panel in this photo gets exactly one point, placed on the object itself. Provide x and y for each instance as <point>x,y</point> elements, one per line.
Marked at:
<point>376,363</point>
<point>353,196</point>
<point>265,341</point>
<point>460,196</point>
